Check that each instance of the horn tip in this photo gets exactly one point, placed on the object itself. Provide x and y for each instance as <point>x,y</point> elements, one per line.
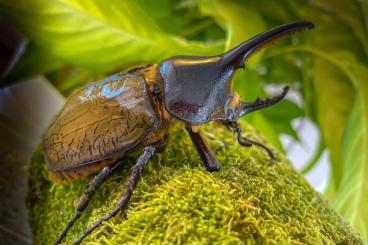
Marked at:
<point>306,24</point>
<point>285,90</point>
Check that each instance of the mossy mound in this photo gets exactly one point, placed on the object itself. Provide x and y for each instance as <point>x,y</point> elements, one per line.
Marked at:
<point>178,202</point>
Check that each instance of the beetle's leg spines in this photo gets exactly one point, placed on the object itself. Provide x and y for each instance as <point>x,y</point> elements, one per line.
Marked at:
<point>88,193</point>
<point>130,183</point>
<point>247,107</point>
<point>205,152</point>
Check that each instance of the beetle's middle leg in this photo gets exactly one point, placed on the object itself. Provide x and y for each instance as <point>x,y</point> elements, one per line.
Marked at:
<point>205,152</point>
<point>88,193</point>
<point>130,183</point>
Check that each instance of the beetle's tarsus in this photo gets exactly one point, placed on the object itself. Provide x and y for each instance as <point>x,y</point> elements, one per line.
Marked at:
<point>248,143</point>
<point>68,225</point>
<point>96,182</point>
<point>130,183</point>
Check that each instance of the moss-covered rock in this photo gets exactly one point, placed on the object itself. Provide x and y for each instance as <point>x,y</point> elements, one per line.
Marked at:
<point>178,202</point>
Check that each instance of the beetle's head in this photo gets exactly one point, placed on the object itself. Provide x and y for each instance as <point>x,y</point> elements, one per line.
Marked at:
<point>199,89</point>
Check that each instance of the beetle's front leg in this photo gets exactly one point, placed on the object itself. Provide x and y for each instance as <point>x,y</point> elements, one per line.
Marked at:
<point>205,152</point>
<point>247,142</point>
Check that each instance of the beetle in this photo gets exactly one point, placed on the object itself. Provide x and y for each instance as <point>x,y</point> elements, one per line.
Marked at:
<point>131,111</point>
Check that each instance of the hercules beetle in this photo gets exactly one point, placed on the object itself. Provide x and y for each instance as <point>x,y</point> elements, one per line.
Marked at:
<point>131,111</point>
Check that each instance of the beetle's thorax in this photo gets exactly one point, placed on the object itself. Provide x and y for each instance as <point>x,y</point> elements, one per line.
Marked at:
<point>196,88</point>
<point>228,101</point>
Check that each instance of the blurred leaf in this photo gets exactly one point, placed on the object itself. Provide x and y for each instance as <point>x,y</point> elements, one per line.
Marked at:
<point>307,89</point>
<point>183,18</point>
<point>281,116</point>
<point>274,12</point>
<point>96,35</point>
<point>347,15</point>
<point>267,129</point>
<point>334,95</point>
<point>239,22</point>
<point>351,198</point>
<point>290,68</point>
<point>68,78</point>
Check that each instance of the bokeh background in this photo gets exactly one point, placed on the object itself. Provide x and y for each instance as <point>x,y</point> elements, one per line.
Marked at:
<point>50,48</point>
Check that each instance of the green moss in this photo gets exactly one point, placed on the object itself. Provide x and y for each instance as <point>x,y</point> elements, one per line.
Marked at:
<point>177,201</point>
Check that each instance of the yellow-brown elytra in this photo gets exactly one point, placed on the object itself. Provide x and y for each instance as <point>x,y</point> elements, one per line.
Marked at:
<point>131,112</point>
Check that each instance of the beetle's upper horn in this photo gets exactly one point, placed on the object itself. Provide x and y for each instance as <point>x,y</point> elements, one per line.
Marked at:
<point>238,55</point>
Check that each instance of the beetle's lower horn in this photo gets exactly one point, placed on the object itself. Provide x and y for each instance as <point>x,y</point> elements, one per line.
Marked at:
<point>247,107</point>
<point>238,55</point>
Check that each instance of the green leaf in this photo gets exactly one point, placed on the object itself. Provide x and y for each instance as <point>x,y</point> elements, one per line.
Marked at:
<point>347,16</point>
<point>334,96</point>
<point>351,198</point>
<point>281,116</point>
<point>96,35</point>
<point>239,22</point>
<point>183,18</point>
<point>67,79</point>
